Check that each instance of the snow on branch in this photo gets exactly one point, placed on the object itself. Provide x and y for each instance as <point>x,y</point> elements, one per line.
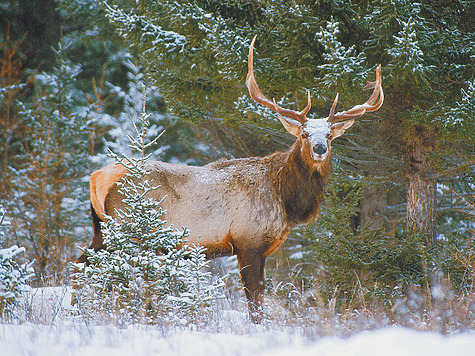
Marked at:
<point>130,21</point>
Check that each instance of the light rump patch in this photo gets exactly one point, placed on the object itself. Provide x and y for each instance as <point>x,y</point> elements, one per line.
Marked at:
<point>275,244</point>
<point>101,183</point>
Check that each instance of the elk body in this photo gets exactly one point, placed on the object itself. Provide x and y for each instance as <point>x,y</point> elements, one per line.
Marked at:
<point>244,207</point>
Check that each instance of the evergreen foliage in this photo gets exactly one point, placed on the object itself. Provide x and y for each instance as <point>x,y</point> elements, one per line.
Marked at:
<point>200,48</point>
<point>13,275</point>
<point>146,272</point>
<point>46,183</point>
<point>195,54</point>
<point>344,66</point>
<point>112,127</point>
<point>359,267</point>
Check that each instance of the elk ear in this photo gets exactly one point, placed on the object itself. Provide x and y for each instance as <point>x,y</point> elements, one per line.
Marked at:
<point>339,128</point>
<point>292,126</point>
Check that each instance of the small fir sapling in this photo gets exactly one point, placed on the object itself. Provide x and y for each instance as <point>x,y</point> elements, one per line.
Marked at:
<point>145,272</point>
<point>13,275</point>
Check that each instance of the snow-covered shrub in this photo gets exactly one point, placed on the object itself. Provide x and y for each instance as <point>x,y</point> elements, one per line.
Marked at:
<point>145,273</point>
<point>13,276</point>
<point>202,290</point>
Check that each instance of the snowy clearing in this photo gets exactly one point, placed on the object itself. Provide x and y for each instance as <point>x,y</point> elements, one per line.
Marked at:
<point>61,334</point>
<point>79,339</point>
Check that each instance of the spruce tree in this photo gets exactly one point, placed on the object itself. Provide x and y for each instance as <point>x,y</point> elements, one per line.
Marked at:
<point>14,275</point>
<point>46,180</point>
<point>146,272</point>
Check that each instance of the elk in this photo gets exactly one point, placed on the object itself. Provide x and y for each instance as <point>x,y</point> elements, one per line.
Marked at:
<point>244,207</point>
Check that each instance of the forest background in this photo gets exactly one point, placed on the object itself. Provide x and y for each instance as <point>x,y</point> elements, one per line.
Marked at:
<point>398,215</point>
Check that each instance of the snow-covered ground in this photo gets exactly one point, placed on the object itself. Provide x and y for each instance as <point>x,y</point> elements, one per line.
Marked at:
<point>76,339</point>
<point>56,334</point>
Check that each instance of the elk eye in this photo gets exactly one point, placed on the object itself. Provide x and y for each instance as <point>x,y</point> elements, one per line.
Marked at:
<point>304,134</point>
<point>330,137</point>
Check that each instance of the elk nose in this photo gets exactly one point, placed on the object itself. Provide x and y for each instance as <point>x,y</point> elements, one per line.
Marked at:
<point>320,149</point>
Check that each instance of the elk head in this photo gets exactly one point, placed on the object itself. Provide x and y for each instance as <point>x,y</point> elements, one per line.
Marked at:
<point>316,134</point>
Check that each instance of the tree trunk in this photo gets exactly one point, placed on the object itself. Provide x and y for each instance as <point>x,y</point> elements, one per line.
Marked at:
<point>420,211</point>
<point>420,214</point>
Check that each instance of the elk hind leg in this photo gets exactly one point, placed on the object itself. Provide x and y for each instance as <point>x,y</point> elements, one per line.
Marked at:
<point>97,240</point>
<point>97,244</point>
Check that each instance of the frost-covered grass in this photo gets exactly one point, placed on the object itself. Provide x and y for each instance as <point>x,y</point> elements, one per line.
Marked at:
<point>53,327</point>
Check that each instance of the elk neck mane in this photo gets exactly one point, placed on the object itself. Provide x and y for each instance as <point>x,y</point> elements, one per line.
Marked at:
<point>297,179</point>
<point>300,181</point>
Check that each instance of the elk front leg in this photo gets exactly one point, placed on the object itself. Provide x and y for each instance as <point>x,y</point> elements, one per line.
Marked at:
<point>251,266</point>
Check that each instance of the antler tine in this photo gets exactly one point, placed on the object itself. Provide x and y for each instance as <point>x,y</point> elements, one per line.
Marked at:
<point>306,109</point>
<point>257,95</point>
<point>331,116</point>
<point>368,106</point>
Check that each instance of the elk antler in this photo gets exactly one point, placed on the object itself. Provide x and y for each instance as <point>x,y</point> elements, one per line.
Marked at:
<point>257,95</point>
<point>359,110</point>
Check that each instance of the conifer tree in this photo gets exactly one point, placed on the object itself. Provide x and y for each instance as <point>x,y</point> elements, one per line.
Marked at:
<point>146,272</point>
<point>47,190</point>
<point>13,274</point>
<point>426,84</point>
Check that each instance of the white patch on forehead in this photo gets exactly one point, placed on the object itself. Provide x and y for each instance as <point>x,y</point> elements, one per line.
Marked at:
<point>317,131</point>
<point>317,128</point>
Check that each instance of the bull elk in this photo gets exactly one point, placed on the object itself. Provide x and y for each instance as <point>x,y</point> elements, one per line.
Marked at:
<point>244,207</point>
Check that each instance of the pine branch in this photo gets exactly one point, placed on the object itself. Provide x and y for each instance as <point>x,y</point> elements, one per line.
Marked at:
<point>371,152</point>
<point>452,169</point>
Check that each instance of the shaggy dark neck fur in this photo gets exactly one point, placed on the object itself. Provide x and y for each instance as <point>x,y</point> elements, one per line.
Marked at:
<point>301,182</point>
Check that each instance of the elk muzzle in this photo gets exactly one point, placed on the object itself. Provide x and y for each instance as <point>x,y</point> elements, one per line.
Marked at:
<point>320,149</point>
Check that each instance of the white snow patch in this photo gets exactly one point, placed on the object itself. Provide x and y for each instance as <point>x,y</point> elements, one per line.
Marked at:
<point>212,177</point>
<point>389,341</point>
<point>77,338</point>
<point>232,335</point>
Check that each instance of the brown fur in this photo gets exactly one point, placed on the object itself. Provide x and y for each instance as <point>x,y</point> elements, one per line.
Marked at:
<point>302,185</point>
